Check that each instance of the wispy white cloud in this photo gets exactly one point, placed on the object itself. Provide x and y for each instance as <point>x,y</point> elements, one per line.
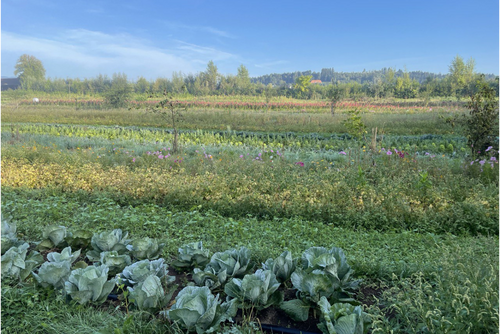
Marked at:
<point>86,53</point>
<point>272,64</point>
<point>207,29</point>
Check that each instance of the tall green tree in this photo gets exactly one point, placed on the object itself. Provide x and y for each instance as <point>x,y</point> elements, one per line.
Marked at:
<point>142,85</point>
<point>119,93</point>
<point>461,75</point>
<point>29,70</point>
<point>211,77</point>
<point>481,124</point>
<point>243,80</point>
<point>302,84</point>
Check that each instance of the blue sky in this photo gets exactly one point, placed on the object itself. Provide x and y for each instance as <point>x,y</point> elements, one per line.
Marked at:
<point>154,38</point>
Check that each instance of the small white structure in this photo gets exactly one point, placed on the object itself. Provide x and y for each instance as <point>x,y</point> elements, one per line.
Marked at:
<point>36,100</point>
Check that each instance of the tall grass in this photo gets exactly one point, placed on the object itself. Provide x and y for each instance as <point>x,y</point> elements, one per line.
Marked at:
<point>208,119</point>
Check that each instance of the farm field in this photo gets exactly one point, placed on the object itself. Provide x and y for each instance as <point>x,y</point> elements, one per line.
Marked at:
<point>415,216</point>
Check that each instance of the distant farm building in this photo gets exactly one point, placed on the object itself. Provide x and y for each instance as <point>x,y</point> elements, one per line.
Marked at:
<point>316,81</point>
<point>10,83</point>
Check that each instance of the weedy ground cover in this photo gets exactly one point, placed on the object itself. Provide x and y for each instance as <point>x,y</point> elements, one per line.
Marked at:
<point>384,190</point>
<point>418,224</point>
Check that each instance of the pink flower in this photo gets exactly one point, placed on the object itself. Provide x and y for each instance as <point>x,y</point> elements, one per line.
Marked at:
<point>133,160</point>
<point>160,156</point>
<point>241,156</point>
<point>389,153</point>
<point>301,164</point>
<point>342,152</point>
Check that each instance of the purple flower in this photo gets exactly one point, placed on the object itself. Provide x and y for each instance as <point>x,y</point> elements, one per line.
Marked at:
<point>389,153</point>
<point>427,153</point>
<point>260,154</point>
<point>489,148</point>
<point>160,156</point>
<point>342,152</point>
<point>133,160</point>
<point>493,159</point>
<point>241,156</point>
<point>471,163</point>
<point>383,149</point>
<point>482,162</point>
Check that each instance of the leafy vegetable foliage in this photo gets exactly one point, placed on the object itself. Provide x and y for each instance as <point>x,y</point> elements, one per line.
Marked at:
<point>89,284</point>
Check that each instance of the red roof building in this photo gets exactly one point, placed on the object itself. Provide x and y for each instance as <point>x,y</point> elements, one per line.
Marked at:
<point>315,81</point>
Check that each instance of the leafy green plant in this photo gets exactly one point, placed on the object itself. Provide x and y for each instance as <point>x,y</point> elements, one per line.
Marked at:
<point>342,318</point>
<point>139,271</point>
<point>145,248</point>
<point>481,125</point>
<point>149,294</point>
<point>16,265</point>
<point>89,284</point>
<point>209,277</point>
<point>65,255</point>
<point>283,266</point>
<point>197,309</point>
<point>311,286</point>
<point>108,241</point>
<point>333,262</point>
<point>79,239</point>
<point>259,290</point>
<point>53,274</point>
<point>191,255</point>
<point>235,262</point>
<point>9,236</point>
<point>321,273</point>
<point>354,124</point>
<point>171,112</point>
<point>114,261</point>
<point>53,236</point>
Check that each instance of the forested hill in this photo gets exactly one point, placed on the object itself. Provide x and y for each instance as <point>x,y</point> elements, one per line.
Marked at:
<point>328,74</point>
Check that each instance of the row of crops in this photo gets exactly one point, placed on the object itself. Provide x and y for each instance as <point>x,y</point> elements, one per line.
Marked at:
<point>339,142</point>
<point>317,106</point>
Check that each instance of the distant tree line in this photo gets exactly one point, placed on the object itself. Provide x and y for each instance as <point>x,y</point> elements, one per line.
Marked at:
<point>459,83</point>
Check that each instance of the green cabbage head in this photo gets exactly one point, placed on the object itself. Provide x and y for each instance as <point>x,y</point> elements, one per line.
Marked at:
<point>89,284</point>
<point>53,274</point>
<point>16,265</point>
<point>53,236</point>
<point>139,271</point>
<point>236,262</point>
<point>197,310</point>
<point>106,242</point>
<point>65,255</point>
<point>192,255</point>
<point>9,236</point>
<point>149,295</point>
<point>283,266</point>
<point>114,261</point>
<point>259,290</point>
<point>145,248</point>
<point>342,318</point>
